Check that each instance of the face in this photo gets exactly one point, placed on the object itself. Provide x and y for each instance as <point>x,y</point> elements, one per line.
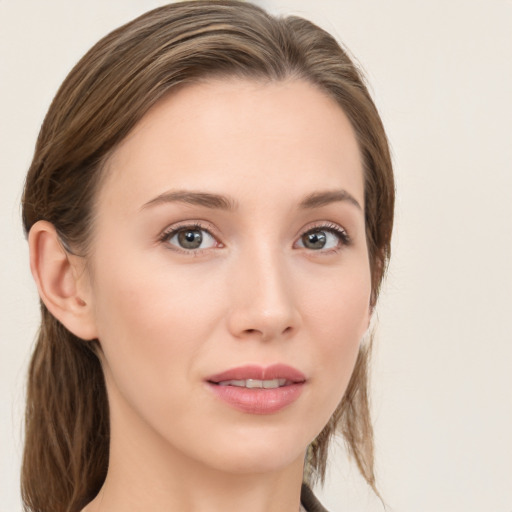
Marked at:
<point>229,273</point>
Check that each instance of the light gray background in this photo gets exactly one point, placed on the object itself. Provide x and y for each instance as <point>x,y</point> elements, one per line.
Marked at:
<point>441,74</point>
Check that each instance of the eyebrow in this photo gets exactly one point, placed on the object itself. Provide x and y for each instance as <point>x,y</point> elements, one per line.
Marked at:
<point>214,201</point>
<point>318,199</point>
<point>221,202</point>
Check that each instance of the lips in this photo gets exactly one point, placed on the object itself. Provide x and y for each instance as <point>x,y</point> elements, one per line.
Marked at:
<point>276,371</point>
<point>258,390</point>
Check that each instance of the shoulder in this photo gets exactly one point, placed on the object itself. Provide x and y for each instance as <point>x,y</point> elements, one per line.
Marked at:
<point>309,500</point>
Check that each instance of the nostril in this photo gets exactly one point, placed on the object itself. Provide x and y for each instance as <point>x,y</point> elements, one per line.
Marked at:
<point>267,335</point>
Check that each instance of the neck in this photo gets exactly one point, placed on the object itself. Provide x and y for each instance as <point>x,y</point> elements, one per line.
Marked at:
<point>146,473</point>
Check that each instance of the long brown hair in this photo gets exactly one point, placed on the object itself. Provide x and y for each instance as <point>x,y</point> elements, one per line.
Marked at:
<point>109,90</point>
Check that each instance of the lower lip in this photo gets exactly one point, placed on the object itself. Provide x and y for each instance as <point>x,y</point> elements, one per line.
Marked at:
<point>258,401</point>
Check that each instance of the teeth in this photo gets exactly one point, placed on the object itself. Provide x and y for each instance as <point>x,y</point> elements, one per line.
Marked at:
<point>274,383</point>
<point>255,383</point>
<point>237,383</point>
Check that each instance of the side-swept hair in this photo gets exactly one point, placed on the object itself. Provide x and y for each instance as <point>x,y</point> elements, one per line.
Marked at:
<point>101,100</point>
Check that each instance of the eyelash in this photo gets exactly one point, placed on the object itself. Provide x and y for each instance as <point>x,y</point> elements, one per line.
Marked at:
<point>336,230</point>
<point>170,232</point>
<point>332,228</point>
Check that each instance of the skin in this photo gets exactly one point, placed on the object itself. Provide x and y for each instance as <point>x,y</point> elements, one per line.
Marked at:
<point>253,293</point>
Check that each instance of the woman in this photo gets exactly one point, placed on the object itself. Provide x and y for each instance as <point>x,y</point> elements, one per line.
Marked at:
<point>209,214</point>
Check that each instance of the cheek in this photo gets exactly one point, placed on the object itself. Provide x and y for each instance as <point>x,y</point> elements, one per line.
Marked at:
<point>150,301</point>
<point>338,316</point>
<point>338,306</point>
<point>147,320</point>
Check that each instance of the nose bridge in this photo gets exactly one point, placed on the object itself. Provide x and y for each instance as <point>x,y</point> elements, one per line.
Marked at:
<point>263,301</point>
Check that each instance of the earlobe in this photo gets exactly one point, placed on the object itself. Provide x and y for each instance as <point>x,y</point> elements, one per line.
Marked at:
<point>60,281</point>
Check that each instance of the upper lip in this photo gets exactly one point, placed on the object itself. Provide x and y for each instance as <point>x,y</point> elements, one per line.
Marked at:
<point>275,371</point>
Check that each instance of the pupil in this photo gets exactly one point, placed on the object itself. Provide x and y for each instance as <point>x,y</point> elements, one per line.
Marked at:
<point>190,239</point>
<point>314,240</point>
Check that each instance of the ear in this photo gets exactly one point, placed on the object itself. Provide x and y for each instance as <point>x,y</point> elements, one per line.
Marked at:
<point>61,280</point>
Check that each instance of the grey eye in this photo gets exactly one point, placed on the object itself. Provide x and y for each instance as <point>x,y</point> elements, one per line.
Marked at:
<point>322,238</point>
<point>314,240</point>
<point>192,238</point>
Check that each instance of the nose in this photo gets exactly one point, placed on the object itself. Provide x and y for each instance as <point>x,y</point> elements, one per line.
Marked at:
<point>263,305</point>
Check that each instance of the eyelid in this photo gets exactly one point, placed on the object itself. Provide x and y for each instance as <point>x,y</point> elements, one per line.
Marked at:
<point>173,229</point>
<point>331,227</point>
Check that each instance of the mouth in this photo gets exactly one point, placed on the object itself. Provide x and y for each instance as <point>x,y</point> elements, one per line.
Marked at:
<point>256,383</point>
<point>258,390</point>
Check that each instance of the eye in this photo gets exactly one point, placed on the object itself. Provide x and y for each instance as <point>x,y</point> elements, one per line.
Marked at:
<point>190,238</point>
<point>323,238</point>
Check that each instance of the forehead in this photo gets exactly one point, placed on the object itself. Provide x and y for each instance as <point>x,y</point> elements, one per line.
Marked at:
<point>238,137</point>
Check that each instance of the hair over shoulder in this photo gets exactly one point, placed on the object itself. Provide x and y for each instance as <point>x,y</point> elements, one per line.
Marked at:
<point>104,96</point>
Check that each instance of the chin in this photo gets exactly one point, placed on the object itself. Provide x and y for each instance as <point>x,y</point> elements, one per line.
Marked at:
<point>249,451</point>
<point>257,462</point>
